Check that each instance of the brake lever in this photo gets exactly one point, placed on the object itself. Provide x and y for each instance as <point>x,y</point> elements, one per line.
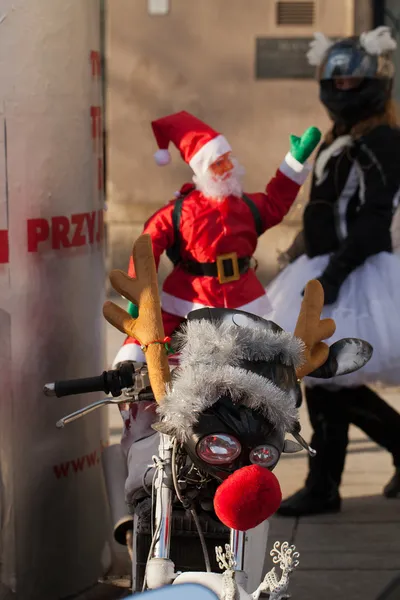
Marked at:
<point>132,394</point>
<point>299,438</point>
<point>88,409</point>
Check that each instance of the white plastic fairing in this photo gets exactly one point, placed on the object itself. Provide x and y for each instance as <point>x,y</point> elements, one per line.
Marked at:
<point>254,554</point>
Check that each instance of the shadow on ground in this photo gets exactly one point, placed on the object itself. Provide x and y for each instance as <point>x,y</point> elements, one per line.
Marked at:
<point>352,555</point>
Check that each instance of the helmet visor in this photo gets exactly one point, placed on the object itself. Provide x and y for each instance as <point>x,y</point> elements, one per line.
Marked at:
<point>350,62</point>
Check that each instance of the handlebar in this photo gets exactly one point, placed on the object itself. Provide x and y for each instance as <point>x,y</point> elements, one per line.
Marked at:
<point>110,382</point>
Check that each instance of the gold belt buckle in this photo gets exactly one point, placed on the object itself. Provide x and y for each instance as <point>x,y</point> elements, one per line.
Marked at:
<point>222,278</point>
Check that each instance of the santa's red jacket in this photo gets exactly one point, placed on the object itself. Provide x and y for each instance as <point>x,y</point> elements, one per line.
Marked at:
<point>210,229</point>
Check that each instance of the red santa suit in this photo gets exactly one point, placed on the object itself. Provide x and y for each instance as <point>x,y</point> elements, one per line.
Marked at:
<point>217,235</point>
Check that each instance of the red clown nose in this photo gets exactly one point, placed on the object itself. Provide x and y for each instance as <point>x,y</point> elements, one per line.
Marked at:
<point>247,498</point>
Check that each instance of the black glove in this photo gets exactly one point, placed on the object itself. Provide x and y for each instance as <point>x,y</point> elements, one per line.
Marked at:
<point>331,290</point>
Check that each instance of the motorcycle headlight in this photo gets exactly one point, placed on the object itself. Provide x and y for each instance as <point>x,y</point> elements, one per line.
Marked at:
<point>264,456</point>
<point>218,449</point>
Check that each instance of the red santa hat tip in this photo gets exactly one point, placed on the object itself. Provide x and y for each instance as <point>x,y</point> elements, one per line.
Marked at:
<point>162,157</point>
<point>199,144</point>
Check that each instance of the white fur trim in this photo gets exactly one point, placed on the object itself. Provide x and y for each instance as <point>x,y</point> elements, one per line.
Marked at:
<point>176,306</point>
<point>129,352</point>
<point>318,49</point>
<point>208,154</point>
<point>210,365</point>
<point>293,169</point>
<point>226,342</point>
<point>197,387</point>
<point>378,41</point>
<point>335,148</point>
<point>162,158</point>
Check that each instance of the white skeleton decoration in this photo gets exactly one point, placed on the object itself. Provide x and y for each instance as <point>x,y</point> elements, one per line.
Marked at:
<point>286,556</point>
<point>226,561</point>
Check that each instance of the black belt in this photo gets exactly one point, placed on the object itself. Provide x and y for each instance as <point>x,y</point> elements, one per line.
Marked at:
<point>228,267</point>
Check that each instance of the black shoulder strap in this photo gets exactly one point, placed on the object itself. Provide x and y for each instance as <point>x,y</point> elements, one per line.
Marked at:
<point>256,214</point>
<point>174,252</point>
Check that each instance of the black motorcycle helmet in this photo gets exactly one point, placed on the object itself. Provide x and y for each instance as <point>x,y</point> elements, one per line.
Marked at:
<point>355,83</point>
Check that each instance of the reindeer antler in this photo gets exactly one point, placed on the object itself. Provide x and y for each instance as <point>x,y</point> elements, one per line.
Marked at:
<point>148,328</point>
<point>312,330</point>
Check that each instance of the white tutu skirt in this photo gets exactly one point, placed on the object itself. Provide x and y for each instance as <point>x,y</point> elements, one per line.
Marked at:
<point>368,307</point>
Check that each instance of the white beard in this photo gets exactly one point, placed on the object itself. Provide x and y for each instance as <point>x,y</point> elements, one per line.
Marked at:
<point>218,188</point>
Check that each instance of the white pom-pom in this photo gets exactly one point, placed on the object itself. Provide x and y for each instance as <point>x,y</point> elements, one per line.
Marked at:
<point>162,158</point>
<point>378,41</point>
<point>318,48</point>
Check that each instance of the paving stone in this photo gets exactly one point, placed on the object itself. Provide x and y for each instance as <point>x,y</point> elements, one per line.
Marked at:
<point>339,585</point>
<point>364,561</point>
<point>368,509</point>
<point>368,538</point>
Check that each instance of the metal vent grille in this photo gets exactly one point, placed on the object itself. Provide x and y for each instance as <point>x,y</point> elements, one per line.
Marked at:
<point>295,13</point>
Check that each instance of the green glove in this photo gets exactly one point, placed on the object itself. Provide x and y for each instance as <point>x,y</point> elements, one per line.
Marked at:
<point>133,310</point>
<point>302,147</point>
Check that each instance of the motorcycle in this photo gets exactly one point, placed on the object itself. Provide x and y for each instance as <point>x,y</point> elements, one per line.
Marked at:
<point>224,415</point>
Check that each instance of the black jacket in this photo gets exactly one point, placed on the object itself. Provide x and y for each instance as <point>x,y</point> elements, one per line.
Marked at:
<point>350,211</point>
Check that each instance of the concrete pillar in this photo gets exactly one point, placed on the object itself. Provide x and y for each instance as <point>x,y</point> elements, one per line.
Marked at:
<point>53,519</point>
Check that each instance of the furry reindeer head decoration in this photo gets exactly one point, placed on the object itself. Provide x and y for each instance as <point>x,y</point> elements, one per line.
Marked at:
<point>254,362</point>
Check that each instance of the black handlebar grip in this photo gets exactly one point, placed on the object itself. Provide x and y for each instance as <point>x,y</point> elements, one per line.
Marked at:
<point>109,382</point>
<point>72,387</point>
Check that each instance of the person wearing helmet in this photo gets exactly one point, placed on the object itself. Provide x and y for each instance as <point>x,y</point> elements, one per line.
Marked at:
<point>346,243</point>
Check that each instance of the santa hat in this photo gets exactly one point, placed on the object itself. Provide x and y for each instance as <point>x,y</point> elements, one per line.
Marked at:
<point>200,146</point>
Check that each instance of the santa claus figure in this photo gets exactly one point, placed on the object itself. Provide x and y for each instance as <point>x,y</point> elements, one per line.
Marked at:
<point>210,230</point>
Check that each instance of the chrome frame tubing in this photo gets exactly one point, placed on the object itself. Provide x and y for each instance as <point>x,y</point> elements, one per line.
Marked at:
<point>237,543</point>
<point>163,504</point>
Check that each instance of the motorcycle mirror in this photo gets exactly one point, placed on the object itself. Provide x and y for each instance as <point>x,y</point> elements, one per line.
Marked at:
<point>345,356</point>
<point>290,447</point>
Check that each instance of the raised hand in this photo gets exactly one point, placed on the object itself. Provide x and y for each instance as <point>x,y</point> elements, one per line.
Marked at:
<point>302,147</point>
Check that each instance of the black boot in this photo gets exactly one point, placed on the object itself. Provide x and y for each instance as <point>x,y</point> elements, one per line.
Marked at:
<point>392,489</point>
<point>308,502</point>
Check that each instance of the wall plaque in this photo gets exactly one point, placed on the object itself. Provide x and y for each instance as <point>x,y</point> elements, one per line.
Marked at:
<point>283,58</point>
